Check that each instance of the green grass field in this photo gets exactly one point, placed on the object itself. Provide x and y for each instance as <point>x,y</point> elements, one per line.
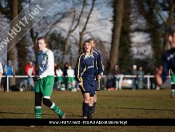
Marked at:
<point>111,104</point>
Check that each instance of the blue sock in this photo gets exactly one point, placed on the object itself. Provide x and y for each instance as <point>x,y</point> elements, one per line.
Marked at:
<point>85,109</point>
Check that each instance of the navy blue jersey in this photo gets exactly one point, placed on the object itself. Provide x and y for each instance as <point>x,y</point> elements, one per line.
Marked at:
<point>85,67</point>
<point>168,62</point>
<point>98,62</point>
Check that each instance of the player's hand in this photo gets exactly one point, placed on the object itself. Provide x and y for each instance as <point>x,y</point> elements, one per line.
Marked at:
<point>36,78</point>
<point>99,77</point>
<point>80,84</point>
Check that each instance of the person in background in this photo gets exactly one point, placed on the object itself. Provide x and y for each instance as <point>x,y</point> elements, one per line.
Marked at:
<point>118,77</point>
<point>30,70</point>
<point>140,76</point>
<point>8,71</point>
<point>59,76</point>
<point>1,72</point>
<point>65,74</point>
<point>134,79</point>
<point>70,79</point>
<point>104,78</point>
<point>168,60</point>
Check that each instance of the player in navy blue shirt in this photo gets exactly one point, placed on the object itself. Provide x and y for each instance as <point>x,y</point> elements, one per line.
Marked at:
<point>98,63</point>
<point>85,72</point>
<point>168,61</point>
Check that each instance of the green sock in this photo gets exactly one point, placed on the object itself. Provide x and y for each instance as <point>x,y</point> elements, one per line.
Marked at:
<point>55,108</point>
<point>38,111</point>
<point>172,92</point>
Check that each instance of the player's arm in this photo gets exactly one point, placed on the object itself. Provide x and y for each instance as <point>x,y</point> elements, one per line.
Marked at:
<point>162,72</point>
<point>34,71</point>
<point>79,69</point>
<point>99,66</point>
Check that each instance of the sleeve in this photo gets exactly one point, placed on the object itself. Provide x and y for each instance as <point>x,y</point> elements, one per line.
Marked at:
<point>26,70</point>
<point>57,72</point>
<point>165,66</point>
<point>79,69</point>
<point>99,64</point>
<point>34,71</point>
<point>12,73</point>
<point>50,65</point>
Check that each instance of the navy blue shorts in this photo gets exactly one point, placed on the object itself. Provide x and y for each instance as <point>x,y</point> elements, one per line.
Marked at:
<point>88,86</point>
<point>97,85</point>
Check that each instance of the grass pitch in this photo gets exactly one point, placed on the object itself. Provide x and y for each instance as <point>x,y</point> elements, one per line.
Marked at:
<point>111,104</point>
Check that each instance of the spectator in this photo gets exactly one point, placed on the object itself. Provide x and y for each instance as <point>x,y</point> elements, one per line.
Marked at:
<point>118,77</point>
<point>30,70</point>
<point>134,72</point>
<point>23,84</point>
<point>65,74</point>
<point>70,79</point>
<point>59,74</point>
<point>66,65</point>
<point>8,71</point>
<point>152,80</point>
<point>110,81</point>
<point>1,72</point>
<point>104,78</point>
<point>140,76</point>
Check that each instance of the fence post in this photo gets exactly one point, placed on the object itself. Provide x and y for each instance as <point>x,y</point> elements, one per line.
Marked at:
<point>148,83</point>
<point>7,84</point>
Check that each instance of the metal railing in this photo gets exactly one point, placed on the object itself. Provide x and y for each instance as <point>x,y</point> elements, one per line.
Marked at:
<point>126,76</point>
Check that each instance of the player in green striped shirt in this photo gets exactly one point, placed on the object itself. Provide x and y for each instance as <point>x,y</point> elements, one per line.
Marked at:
<point>45,80</point>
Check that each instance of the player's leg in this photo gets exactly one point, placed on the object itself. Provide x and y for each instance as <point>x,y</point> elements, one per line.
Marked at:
<point>90,109</point>
<point>91,99</point>
<point>97,88</point>
<point>86,97</point>
<point>38,97</point>
<point>47,91</point>
<point>120,81</point>
<point>172,90</point>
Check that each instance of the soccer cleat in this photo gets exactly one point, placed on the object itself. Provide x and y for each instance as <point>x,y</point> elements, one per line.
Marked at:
<point>63,116</point>
<point>85,117</point>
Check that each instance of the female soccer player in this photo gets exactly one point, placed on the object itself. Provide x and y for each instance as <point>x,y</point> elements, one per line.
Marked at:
<point>45,80</point>
<point>85,72</point>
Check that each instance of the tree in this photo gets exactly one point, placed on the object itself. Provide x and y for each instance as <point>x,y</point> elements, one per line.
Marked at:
<point>11,48</point>
<point>56,41</point>
<point>125,43</point>
<point>157,23</point>
<point>118,6</point>
<point>81,33</point>
<point>72,28</point>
